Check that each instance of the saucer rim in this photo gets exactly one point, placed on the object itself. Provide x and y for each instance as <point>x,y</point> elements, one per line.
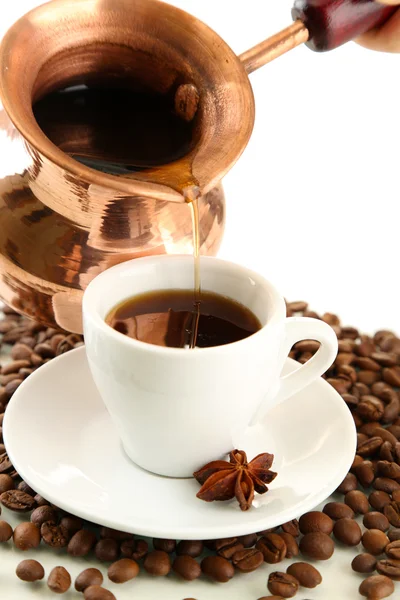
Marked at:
<point>194,533</point>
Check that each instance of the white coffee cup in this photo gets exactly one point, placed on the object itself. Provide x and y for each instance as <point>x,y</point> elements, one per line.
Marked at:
<point>176,409</point>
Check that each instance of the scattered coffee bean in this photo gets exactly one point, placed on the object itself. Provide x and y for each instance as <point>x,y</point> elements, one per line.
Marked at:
<point>217,568</point>
<point>384,484</point>
<point>40,501</point>
<point>71,524</point>
<point>26,536</point>
<point>167,546</point>
<point>347,531</point>
<point>87,578</point>
<point>158,563</point>
<point>376,520</point>
<point>317,546</point>
<point>306,574</point>
<point>54,536</point>
<point>365,473</point>
<point>6,531</point>
<point>392,512</point>
<point>186,567</point>
<point>315,521</point>
<point>17,501</point>
<point>29,570</point>
<point>248,560</point>
<point>96,592</point>
<point>135,549</point>
<point>82,543</point>
<point>193,548</point>
<point>59,580</point>
<point>273,548</point>
<point>338,510</point>
<point>44,514</point>
<point>24,487</point>
<point>249,540</point>
<point>379,500</point>
<point>374,541</point>
<point>123,570</point>
<point>291,527</point>
<point>114,534</point>
<point>106,550</point>
<point>364,563</point>
<point>394,534</point>
<point>389,567</point>
<point>357,501</point>
<point>292,547</point>
<point>348,484</point>
<point>376,587</point>
<point>6,483</point>
<point>283,584</point>
<point>392,550</point>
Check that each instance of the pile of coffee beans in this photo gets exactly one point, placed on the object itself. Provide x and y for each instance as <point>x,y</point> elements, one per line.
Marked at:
<point>365,514</point>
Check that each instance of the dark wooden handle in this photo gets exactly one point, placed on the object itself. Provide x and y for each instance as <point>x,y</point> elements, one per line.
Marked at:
<point>332,23</point>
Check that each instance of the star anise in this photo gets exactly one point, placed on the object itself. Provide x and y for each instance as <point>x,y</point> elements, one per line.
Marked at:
<point>222,480</point>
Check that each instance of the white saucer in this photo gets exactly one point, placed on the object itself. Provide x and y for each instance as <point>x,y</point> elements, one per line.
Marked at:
<point>61,440</point>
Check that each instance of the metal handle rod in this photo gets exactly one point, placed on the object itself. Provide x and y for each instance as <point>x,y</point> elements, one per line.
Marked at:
<point>275,46</point>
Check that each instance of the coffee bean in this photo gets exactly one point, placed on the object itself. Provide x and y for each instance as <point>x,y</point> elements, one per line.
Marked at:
<point>379,500</point>
<point>394,534</point>
<point>88,577</point>
<point>6,531</point>
<point>273,548</point>
<point>345,358</point>
<point>26,536</point>
<point>357,501</point>
<point>249,540</point>
<point>24,487</point>
<point>347,531</point>
<point>351,400</point>
<point>396,496</point>
<point>374,541</point>
<point>394,430</point>
<point>217,568</point>
<point>15,366</point>
<point>54,536</point>
<point>376,587</point>
<point>124,570</point>
<point>376,520</point>
<point>386,452</point>
<point>365,473</point>
<point>338,510</point>
<point>306,574</point>
<point>44,514</point>
<point>40,501</point>
<point>291,527</point>
<point>388,469</point>
<point>192,548</point>
<point>392,550</point>
<point>283,584</point>
<point>135,549</point>
<point>82,542</point>
<point>106,550</point>
<point>392,376</point>
<point>96,592</point>
<point>223,543</point>
<point>168,546</point>
<point>392,512</point>
<point>59,580</point>
<point>292,548</point>
<point>341,384</point>
<point>21,352</point>
<point>248,560</point>
<point>315,521</point>
<point>158,563</point>
<point>369,377</point>
<point>6,483</point>
<point>5,464</point>
<point>385,484</point>
<point>364,563</point>
<point>390,568</point>
<point>71,524</point>
<point>370,408</point>
<point>186,567</point>
<point>317,546</point>
<point>297,306</point>
<point>348,484</point>
<point>29,570</point>
<point>263,598</point>
<point>17,501</point>
<point>114,534</point>
<point>228,551</point>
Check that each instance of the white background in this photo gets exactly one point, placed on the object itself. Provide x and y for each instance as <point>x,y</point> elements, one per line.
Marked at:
<point>314,204</point>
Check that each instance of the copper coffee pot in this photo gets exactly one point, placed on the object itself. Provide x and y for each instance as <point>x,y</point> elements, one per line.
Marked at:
<point>61,222</point>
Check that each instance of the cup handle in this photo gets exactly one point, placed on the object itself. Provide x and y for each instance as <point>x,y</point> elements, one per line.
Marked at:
<point>296,330</point>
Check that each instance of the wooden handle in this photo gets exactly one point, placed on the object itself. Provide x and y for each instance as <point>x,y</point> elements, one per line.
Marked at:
<point>331,23</point>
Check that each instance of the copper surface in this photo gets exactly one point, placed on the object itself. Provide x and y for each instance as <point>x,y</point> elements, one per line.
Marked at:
<point>275,46</point>
<point>62,223</point>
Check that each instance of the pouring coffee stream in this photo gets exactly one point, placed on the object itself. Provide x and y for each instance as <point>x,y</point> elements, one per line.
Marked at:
<point>62,221</point>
